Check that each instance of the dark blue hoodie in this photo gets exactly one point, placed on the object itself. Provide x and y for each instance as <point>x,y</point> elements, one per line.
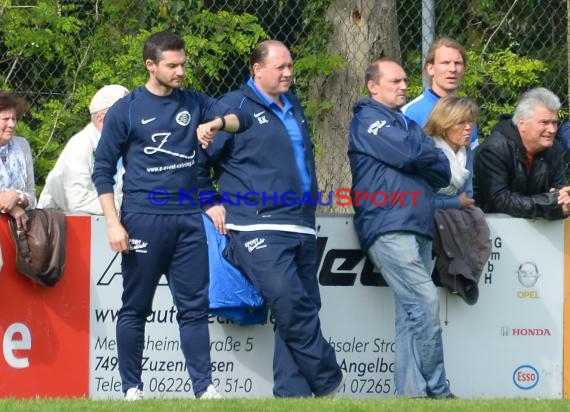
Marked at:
<point>398,167</point>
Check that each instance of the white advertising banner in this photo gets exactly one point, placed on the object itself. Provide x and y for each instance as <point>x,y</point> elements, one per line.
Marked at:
<point>241,355</point>
<point>509,344</point>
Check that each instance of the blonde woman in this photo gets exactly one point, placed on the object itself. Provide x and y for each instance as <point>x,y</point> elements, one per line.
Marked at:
<point>450,124</point>
<point>461,237</point>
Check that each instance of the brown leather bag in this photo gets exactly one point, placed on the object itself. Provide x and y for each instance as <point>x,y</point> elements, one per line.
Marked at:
<point>40,250</point>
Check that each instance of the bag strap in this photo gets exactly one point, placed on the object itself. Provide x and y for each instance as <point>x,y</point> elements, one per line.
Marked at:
<point>19,237</point>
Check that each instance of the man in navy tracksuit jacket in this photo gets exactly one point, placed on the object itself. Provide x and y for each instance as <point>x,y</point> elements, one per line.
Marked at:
<point>395,169</point>
<point>154,130</point>
<point>268,186</point>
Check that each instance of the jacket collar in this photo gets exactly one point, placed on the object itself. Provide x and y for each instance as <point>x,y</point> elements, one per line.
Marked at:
<point>393,115</point>
<point>255,95</point>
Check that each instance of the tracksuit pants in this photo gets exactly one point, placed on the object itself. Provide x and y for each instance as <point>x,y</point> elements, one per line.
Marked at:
<point>174,245</point>
<point>283,267</point>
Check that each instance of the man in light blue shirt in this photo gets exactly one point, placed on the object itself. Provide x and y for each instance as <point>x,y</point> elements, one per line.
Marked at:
<point>445,65</point>
<point>268,179</point>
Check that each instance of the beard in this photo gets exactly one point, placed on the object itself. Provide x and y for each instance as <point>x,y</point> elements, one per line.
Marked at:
<point>173,83</point>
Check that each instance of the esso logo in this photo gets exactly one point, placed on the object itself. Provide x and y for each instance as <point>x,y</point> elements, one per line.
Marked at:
<point>525,377</point>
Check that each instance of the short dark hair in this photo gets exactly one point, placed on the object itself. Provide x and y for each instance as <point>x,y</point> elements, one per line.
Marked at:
<point>260,52</point>
<point>160,42</point>
<point>9,100</point>
<point>373,71</point>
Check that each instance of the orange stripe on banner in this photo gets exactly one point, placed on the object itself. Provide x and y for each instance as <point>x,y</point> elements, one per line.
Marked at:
<point>566,343</point>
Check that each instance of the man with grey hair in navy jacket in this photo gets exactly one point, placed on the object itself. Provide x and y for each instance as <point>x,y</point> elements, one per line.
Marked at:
<point>395,169</point>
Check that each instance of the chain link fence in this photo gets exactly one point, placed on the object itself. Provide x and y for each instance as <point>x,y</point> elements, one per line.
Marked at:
<point>58,53</point>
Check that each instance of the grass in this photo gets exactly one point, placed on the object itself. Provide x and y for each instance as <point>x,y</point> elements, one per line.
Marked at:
<point>286,405</point>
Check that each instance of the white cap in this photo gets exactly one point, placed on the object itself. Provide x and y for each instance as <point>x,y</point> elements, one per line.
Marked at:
<point>106,96</point>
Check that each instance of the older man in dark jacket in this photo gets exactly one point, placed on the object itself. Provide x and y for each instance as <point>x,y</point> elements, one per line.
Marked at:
<point>519,169</point>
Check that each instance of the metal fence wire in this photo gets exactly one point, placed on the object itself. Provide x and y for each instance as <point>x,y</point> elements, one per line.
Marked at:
<point>58,53</point>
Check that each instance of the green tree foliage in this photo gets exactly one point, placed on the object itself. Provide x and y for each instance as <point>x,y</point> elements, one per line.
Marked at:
<point>495,81</point>
<point>57,54</point>
<point>502,71</point>
<point>312,59</point>
<point>509,51</point>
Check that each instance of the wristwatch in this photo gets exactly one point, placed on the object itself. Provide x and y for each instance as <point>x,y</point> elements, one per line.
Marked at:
<point>21,197</point>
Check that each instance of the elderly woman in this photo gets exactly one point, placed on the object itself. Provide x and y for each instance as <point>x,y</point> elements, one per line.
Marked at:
<point>17,187</point>
<point>450,124</point>
<point>461,237</point>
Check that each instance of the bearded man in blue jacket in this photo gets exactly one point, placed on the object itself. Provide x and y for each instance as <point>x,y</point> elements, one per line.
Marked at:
<point>267,179</point>
<point>156,130</point>
<point>395,169</point>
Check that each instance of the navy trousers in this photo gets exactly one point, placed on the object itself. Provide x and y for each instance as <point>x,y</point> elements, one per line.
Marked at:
<point>283,267</point>
<point>174,245</point>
